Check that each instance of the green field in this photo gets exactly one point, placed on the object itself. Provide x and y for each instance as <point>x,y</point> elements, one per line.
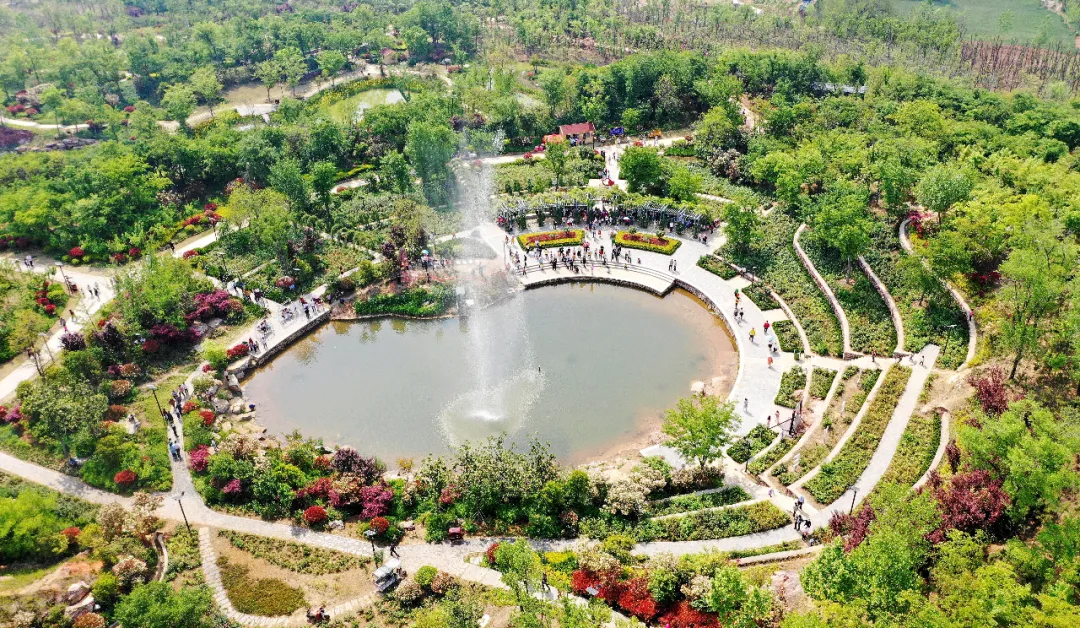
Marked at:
<point>982,19</point>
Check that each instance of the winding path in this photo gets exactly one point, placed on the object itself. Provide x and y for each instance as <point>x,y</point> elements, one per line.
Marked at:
<point>845,329</point>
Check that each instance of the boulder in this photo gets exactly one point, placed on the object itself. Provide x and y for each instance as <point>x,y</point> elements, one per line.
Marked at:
<point>697,388</point>
<point>220,406</point>
<point>225,426</point>
<point>337,524</point>
<point>76,592</point>
<point>75,610</point>
<point>237,406</point>
<point>214,323</point>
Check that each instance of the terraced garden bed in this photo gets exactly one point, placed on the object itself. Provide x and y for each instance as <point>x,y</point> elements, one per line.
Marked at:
<point>839,474</point>
<point>774,260</point>
<point>760,295</point>
<point>868,315</point>
<point>791,383</point>
<point>759,438</point>
<point>821,381</point>
<point>787,335</point>
<point>717,266</point>
<point>916,451</point>
<point>690,503</point>
<point>855,385</point>
<point>769,458</point>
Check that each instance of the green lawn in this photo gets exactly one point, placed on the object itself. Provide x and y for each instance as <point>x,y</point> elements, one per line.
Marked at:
<point>982,19</point>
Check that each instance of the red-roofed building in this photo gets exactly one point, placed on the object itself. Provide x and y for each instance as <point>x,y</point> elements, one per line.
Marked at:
<point>582,131</point>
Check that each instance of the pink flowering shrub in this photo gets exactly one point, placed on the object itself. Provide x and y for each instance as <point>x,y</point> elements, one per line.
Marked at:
<point>199,458</point>
<point>375,500</point>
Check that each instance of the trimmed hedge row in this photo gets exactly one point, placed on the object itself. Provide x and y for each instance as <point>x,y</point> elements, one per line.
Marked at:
<point>791,382</point>
<point>836,476</point>
<point>759,438</point>
<point>690,503</point>
<point>787,336</point>
<point>917,448</point>
<point>647,242</point>
<point>295,556</point>
<point>759,465</point>
<point>696,526</point>
<point>717,266</point>
<point>761,296</point>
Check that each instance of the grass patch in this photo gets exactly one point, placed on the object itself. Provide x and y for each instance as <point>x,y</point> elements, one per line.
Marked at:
<point>790,383</point>
<point>647,242</point>
<point>981,19</point>
<point>836,476</point>
<point>916,450</point>
<point>414,302</point>
<point>769,458</point>
<point>550,239</point>
<point>761,296</point>
<point>867,313</point>
<point>821,381</point>
<point>759,438</point>
<point>717,266</point>
<point>774,260</point>
<point>183,553</point>
<point>690,503</point>
<point>266,597</point>
<point>787,336</point>
<point>295,556</point>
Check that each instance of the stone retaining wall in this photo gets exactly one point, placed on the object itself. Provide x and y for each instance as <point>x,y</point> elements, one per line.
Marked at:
<point>626,283</point>
<point>894,311</point>
<point>822,285</point>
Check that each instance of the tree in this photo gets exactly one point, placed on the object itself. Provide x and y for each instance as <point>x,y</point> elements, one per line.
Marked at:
<point>699,428</point>
<point>205,84</point>
<point>395,171</point>
<point>682,184</point>
<point>716,131</point>
<point>521,568</point>
<point>291,65</point>
<point>429,146</point>
<point>179,102</point>
<point>642,169</point>
<point>943,186</point>
<point>743,226</point>
<point>61,407</point>
<point>556,157</point>
<point>842,221</point>
<point>157,605</point>
<point>331,62</point>
<point>269,73</point>
<point>287,177</point>
<point>418,43</point>
<point>323,177</point>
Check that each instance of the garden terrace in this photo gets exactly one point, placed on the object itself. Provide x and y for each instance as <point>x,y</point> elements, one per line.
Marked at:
<point>762,297</point>
<point>647,242</point>
<point>868,315</point>
<point>821,381</point>
<point>736,520</point>
<point>791,384</point>
<point>926,306</point>
<point>787,335</point>
<point>916,450</point>
<point>698,501</point>
<point>717,266</point>
<point>551,239</point>
<point>759,438</point>
<point>843,470</point>
<point>855,385</point>
<point>774,260</point>
<point>770,457</point>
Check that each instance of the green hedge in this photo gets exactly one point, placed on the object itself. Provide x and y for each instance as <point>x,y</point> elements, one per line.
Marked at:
<point>916,451</point>
<point>664,246</point>
<point>266,597</point>
<point>721,524</point>
<point>761,296</point>
<point>836,476</point>
<point>414,302</point>
<point>759,438</point>
<point>296,557</point>
<point>717,266</point>
<point>689,503</point>
<point>821,381</point>
<point>792,381</point>
<point>787,336</point>
<point>760,465</point>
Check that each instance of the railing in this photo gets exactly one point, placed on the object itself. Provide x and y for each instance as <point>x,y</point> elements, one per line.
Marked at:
<point>587,267</point>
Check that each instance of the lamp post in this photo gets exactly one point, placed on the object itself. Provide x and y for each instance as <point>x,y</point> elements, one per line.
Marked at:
<point>45,342</point>
<point>948,328</point>
<point>854,492</point>
<point>153,389</point>
<point>60,267</point>
<point>370,534</point>
<point>184,514</point>
<point>30,353</point>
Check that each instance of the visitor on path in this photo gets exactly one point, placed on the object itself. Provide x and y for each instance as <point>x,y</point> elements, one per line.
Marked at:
<point>766,327</point>
<point>753,332</point>
<point>393,550</point>
<point>675,265</point>
<point>746,403</point>
<point>63,323</point>
<point>770,361</point>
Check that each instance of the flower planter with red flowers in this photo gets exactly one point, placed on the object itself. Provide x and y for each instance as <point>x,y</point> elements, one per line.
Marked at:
<point>648,242</point>
<point>551,239</point>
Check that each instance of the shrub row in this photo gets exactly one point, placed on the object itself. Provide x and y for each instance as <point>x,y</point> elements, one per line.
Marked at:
<point>787,336</point>
<point>762,297</point>
<point>821,381</point>
<point>696,526</point>
<point>717,266</point>
<point>791,382</point>
<point>770,457</point>
<point>836,476</point>
<point>415,302</point>
<point>647,242</point>
<point>551,239</point>
<point>916,450</point>
<point>266,597</point>
<point>295,556</point>
<point>689,503</point>
<point>759,438</point>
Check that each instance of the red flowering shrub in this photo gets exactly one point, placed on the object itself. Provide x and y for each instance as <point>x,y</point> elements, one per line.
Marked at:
<point>319,489</point>
<point>199,458</point>
<point>969,501</point>
<point>189,406</point>
<point>151,346</point>
<point>238,351</point>
<point>991,390</point>
<point>448,495</point>
<point>116,412</point>
<point>31,111</point>
<point>489,554</point>
<point>207,368</point>
<point>380,525</point>
<point>3,413</point>
<point>124,478</point>
<point>685,616</point>
<point>376,500</point>
<point>71,533</point>
<point>315,515</point>
<point>129,109</point>
<point>322,463</point>
<point>207,417</point>
<point>636,599</point>
<point>134,252</point>
<point>190,253</point>
<point>233,487</point>
<point>582,580</point>
<point>210,207</point>
<point>853,527</point>
<point>50,309</point>
<point>41,301</point>
<point>76,251</point>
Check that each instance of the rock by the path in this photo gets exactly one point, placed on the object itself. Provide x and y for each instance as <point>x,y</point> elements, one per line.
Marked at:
<point>237,406</point>
<point>225,426</point>
<point>214,323</point>
<point>220,406</point>
<point>697,388</point>
<point>76,592</point>
<point>75,610</point>
<point>247,416</point>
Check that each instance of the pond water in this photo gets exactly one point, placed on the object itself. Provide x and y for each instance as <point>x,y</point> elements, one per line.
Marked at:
<point>588,368</point>
<point>352,108</point>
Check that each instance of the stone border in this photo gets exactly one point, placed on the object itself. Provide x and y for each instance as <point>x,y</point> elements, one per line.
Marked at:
<point>285,342</point>
<point>814,427</point>
<point>894,312</point>
<point>943,444</point>
<point>624,283</point>
<point>845,329</point>
<point>973,332</point>
<point>687,513</point>
<point>778,556</point>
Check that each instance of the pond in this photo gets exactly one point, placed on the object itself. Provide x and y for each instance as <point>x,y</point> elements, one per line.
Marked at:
<point>588,368</point>
<point>352,108</point>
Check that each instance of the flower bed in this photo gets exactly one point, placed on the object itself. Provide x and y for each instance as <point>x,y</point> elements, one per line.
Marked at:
<point>774,261</point>
<point>648,242</point>
<point>821,381</point>
<point>717,266</point>
<point>836,476</point>
<point>550,239</point>
<point>916,450</point>
<point>721,524</point>
<point>759,438</point>
<point>791,382</point>
<point>787,336</point>
<point>760,465</point>
<point>266,597</point>
<point>690,503</point>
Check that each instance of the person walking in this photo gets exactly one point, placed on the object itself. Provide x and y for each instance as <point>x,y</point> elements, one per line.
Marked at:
<point>393,550</point>
<point>753,332</point>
